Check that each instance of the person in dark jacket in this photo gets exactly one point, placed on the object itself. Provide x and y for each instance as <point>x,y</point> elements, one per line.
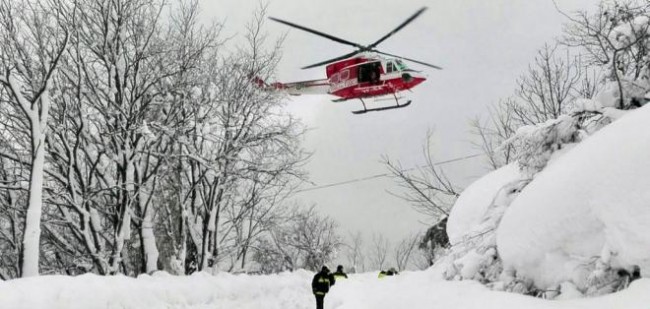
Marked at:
<point>636,273</point>
<point>340,274</point>
<point>321,284</point>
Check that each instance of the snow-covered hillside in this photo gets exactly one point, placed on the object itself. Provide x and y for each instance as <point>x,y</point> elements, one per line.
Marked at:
<point>590,206</point>
<point>283,291</point>
<point>578,227</point>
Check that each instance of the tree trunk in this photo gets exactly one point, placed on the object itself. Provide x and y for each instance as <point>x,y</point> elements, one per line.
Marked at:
<point>150,251</point>
<point>32,235</point>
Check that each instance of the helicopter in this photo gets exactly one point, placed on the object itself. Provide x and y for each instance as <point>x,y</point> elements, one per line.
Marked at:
<point>362,74</point>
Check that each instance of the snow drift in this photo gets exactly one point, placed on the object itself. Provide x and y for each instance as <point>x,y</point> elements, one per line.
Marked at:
<point>590,207</point>
<point>283,291</point>
<point>471,208</point>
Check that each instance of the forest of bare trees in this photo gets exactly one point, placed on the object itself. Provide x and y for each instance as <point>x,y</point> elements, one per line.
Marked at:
<point>132,142</point>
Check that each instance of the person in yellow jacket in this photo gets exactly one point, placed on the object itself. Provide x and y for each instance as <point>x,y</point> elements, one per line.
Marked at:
<point>340,274</point>
<point>391,272</point>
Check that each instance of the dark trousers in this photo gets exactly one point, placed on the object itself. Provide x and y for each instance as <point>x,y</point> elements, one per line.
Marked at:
<point>319,301</point>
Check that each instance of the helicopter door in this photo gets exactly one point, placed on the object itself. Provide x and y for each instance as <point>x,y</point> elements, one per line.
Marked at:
<point>369,73</point>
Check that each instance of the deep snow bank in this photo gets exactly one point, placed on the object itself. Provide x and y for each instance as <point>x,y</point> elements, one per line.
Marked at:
<point>591,206</point>
<point>411,290</point>
<point>472,225</point>
<point>201,290</point>
<point>471,208</point>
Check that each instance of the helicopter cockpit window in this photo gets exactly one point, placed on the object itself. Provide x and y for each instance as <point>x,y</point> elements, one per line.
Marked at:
<point>401,65</point>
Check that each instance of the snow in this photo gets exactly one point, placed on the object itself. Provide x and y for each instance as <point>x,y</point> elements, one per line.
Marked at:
<point>626,32</point>
<point>470,209</point>
<point>413,290</point>
<point>589,207</point>
<point>472,225</point>
<point>282,291</point>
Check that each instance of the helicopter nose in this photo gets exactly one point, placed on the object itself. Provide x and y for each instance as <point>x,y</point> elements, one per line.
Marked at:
<point>413,78</point>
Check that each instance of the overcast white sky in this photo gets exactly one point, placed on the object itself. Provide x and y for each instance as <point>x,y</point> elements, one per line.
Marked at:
<point>483,47</point>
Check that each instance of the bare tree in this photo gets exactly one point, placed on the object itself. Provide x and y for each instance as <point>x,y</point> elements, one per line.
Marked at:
<point>548,87</point>
<point>547,90</point>
<point>33,42</point>
<point>11,218</point>
<point>304,239</point>
<point>427,188</point>
<point>403,252</point>
<point>493,132</point>
<point>379,251</point>
<point>355,255</point>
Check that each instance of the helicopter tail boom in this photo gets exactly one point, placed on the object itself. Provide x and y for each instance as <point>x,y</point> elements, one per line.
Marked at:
<point>317,86</point>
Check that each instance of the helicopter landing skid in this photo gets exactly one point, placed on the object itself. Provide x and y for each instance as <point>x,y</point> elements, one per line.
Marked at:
<point>365,110</point>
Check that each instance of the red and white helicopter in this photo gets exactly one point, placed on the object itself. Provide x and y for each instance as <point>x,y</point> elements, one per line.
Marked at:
<point>361,74</point>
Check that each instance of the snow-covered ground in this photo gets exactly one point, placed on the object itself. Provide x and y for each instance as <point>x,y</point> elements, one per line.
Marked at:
<point>410,290</point>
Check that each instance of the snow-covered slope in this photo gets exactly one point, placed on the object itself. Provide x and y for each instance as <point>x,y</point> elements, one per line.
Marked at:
<point>411,290</point>
<point>590,207</point>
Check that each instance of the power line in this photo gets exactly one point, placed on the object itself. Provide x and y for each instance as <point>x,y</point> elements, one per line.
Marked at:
<point>345,182</point>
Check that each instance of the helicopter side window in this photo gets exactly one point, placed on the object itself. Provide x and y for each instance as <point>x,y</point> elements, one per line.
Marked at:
<point>335,78</point>
<point>345,75</point>
<point>390,67</point>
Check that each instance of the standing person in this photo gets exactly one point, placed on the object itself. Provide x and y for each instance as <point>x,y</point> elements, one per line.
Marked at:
<point>321,284</point>
<point>340,274</point>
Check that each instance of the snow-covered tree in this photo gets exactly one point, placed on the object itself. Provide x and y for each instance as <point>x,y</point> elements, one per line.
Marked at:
<point>615,39</point>
<point>161,153</point>
<point>548,89</point>
<point>302,239</point>
<point>34,41</point>
<point>557,104</point>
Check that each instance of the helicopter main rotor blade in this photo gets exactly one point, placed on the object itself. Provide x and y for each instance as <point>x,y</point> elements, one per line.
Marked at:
<point>402,25</point>
<point>408,59</point>
<point>332,60</point>
<point>325,35</point>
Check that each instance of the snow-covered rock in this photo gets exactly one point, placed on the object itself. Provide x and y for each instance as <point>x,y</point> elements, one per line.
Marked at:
<point>592,205</point>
